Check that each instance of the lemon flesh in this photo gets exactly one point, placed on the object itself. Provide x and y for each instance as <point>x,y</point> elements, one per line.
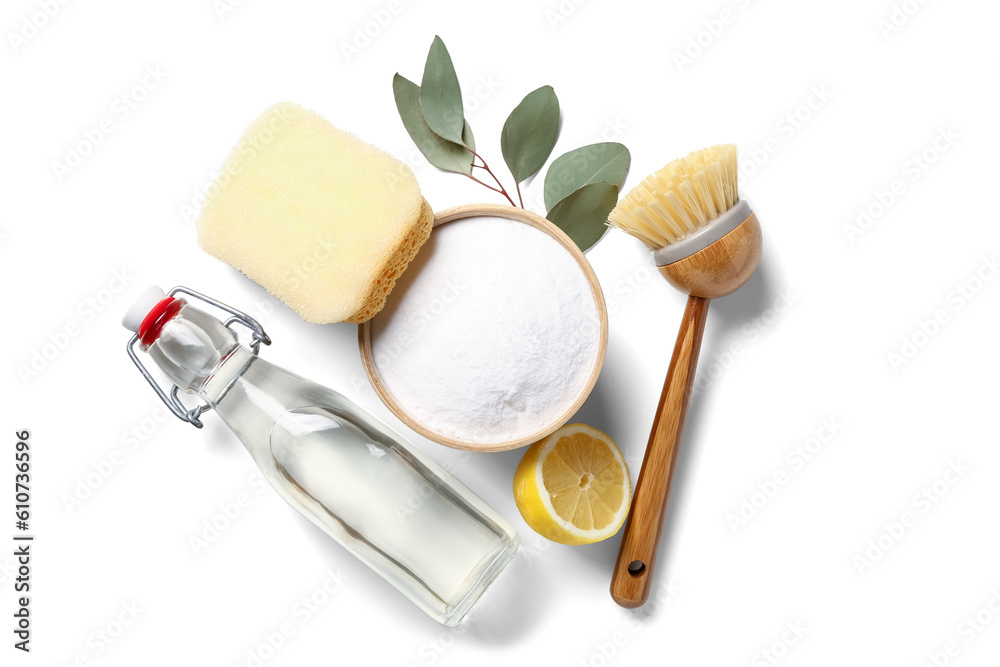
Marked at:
<point>573,487</point>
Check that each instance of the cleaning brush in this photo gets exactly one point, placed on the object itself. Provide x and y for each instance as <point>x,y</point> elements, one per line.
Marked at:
<point>706,242</point>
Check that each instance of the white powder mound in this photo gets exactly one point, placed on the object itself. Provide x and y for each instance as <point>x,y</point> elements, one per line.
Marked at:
<point>491,335</point>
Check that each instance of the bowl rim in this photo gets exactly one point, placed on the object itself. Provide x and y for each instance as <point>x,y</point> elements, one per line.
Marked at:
<point>533,219</point>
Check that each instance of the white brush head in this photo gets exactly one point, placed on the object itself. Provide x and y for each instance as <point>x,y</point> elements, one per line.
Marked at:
<point>681,198</point>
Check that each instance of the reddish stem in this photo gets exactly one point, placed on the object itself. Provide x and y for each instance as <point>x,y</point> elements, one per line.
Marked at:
<point>490,187</point>
<point>489,171</point>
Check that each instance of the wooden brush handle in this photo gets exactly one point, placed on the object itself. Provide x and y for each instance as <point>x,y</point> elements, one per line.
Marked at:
<point>633,575</point>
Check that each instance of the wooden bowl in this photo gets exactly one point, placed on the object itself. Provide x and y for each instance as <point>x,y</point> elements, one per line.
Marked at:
<point>538,222</point>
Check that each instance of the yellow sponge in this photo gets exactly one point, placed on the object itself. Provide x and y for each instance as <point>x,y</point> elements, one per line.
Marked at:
<point>319,218</point>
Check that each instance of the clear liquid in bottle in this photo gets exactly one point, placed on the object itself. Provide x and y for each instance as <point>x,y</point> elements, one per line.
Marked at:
<point>388,504</point>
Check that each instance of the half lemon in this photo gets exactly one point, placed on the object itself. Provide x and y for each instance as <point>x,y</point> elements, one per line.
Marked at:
<point>573,487</point>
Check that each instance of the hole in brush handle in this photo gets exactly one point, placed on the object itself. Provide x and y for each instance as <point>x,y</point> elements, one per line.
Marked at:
<point>636,568</point>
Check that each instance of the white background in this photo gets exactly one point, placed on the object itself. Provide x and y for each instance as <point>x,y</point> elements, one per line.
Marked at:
<point>829,110</point>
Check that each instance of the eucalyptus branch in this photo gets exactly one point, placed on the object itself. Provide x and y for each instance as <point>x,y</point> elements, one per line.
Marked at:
<point>581,187</point>
<point>490,187</point>
<point>489,171</point>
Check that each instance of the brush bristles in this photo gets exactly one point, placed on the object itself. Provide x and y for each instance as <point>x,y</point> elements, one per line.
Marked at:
<point>684,195</point>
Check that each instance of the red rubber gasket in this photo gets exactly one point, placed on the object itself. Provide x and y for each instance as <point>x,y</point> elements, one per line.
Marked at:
<point>161,313</point>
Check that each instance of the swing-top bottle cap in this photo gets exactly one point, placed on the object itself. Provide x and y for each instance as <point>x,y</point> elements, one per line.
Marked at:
<point>191,344</point>
<point>143,303</point>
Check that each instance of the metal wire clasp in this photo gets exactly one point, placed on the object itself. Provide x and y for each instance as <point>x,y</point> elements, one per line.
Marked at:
<point>171,399</point>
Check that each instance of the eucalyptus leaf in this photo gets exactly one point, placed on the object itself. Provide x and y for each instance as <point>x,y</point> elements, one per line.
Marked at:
<point>467,138</point>
<point>589,164</point>
<point>441,95</point>
<point>530,133</point>
<point>439,152</point>
<point>583,213</point>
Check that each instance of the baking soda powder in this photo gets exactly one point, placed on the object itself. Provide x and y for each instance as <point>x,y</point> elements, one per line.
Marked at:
<point>491,334</point>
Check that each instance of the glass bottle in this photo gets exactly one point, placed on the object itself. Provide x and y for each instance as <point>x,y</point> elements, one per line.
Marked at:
<point>391,506</point>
